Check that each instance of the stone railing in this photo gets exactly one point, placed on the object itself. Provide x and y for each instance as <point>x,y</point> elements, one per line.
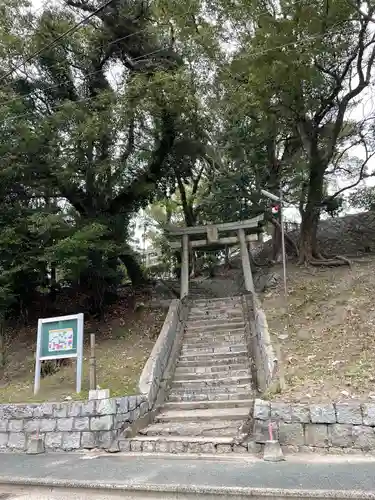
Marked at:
<point>259,342</point>
<point>160,364</point>
<point>333,428</point>
<point>98,423</point>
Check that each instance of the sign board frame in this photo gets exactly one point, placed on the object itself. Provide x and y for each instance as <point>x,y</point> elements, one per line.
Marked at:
<point>73,322</point>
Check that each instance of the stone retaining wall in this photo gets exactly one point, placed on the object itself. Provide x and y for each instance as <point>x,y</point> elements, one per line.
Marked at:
<point>97,423</point>
<point>259,344</point>
<point>336,427</point>
<point>69,426</point>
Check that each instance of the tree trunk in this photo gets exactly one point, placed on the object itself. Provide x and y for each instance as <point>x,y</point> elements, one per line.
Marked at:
<point>193,264</point>
<point>308,243</point>
<point>276,243</point>
<point>311,214</point>
<point>226,257</point>
<point>134,269</point>
<point>177,268</point>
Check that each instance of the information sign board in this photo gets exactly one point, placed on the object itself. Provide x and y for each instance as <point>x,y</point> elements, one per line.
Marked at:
<point>59,338</point>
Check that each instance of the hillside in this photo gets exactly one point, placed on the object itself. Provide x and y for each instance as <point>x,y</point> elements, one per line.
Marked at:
<point>124,338</point>
<point>329,352</point>
<point>359,230</point>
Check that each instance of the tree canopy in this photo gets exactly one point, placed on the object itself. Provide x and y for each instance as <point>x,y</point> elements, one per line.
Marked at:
<point>189,107</point>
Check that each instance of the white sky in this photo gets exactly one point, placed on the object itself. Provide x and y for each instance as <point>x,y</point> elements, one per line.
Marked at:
<point>364,108</point>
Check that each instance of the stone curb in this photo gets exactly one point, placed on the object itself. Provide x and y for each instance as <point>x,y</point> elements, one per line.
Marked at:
<point>191,491</point>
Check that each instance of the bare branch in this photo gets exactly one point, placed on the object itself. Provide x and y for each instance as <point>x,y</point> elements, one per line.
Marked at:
<point>362,176</point>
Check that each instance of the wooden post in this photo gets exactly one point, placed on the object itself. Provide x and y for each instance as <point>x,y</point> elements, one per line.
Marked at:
<point>92,363</point>
<point>185,266</point>
<point>249,285</point>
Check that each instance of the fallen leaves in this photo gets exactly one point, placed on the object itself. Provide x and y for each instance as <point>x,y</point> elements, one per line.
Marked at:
<point>328,352</point>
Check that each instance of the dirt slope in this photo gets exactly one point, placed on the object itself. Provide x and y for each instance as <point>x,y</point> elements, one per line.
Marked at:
<point>330,349</point>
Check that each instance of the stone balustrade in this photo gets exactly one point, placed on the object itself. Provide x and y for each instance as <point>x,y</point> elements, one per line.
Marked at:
<point>259,342</point>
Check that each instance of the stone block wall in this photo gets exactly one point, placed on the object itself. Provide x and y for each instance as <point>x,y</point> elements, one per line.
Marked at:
<point>69,426</point>
<point>259,342</point>
<point>331,427</point>
<point>97,423</point>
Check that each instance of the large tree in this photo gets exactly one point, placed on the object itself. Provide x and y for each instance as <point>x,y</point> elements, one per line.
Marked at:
<point>94,121</point>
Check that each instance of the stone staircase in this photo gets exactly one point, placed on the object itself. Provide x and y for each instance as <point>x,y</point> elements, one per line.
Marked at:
<point>210,397</point>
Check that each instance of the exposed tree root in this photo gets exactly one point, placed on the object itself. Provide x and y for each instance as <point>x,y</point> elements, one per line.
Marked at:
<point>266,263</point>
<point>336,261</point>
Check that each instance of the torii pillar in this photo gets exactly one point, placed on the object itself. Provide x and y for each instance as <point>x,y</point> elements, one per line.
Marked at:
<point>212,239</point>
<point>185,267</point>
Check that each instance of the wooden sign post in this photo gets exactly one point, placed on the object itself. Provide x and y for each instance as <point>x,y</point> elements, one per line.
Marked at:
<point>92,363</point>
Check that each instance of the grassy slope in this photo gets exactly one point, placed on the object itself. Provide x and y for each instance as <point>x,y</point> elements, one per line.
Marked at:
<point>124,341</point>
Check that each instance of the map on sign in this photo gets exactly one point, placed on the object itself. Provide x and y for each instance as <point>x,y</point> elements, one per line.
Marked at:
<point>60,340</point>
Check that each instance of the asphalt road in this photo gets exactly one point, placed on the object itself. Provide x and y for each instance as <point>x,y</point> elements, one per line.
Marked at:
<point>50,495</point>
<point>184,474</point>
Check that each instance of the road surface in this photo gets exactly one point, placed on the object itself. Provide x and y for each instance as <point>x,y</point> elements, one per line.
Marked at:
<point>47,476</point>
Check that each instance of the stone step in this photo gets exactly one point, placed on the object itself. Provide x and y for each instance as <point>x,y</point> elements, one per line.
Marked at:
<point>212,323</point>
<point>212,337</point>
<point>242,394</point>
<point>212,389</point>
<point>218,327</point>
<point>203,415</point>
<point>214,314</point>
<point>227,350</point>
<point>213,333</point>
<point>196,313</point>
<point>208,383</point>
<point>193,428</point>
<point>209,376</point>
<point>208,361</point>
<point>183,444</point>
<point>207,344</point>
<point>208,405</point>
<point>218,300</point>
<point>208,370</point>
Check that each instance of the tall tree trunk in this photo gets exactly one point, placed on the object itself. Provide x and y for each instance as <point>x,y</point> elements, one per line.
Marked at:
<point>226,257</point>
<point>133,268</point>
<point>308,245</point>
<point>276,243</point>
<point>310,216</point>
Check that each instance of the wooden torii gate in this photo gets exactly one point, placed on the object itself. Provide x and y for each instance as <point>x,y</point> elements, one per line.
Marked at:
<point>245,233</point>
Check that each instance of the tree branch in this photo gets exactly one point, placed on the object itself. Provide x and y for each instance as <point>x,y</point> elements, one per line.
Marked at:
<point>131,143</point>
<point>361,177</point>
<point>363,82</point>
<point>144,184</point>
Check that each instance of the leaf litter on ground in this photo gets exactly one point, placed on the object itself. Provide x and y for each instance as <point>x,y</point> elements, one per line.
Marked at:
<point>327,344</point>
